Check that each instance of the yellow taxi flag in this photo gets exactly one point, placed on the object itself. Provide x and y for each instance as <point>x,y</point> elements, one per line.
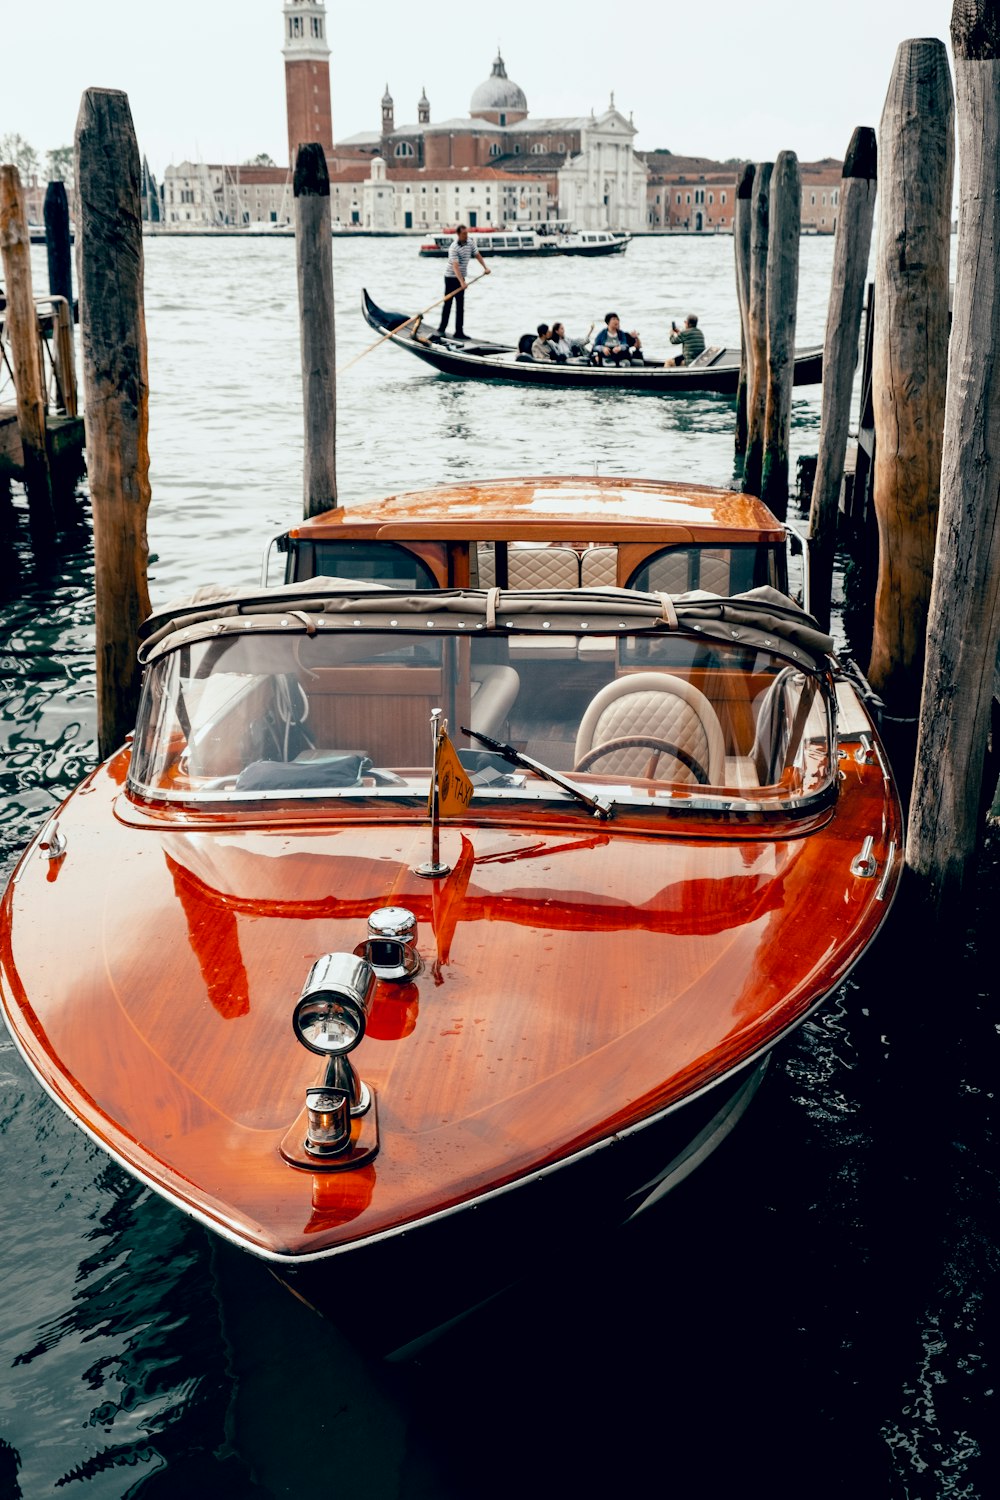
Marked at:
<point>454,787</point>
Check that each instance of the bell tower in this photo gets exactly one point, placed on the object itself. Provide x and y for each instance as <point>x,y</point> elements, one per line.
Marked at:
<point>307,76</point>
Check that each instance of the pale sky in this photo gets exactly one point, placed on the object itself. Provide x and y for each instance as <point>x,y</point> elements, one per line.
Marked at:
<point>721,78</point>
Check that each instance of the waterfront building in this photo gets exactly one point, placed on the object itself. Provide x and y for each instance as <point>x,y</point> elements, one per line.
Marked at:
<point>587,163</point>
<point>362,195</point>
<point>695,194</point>
<point>209,195</point>
<point>497,165</point>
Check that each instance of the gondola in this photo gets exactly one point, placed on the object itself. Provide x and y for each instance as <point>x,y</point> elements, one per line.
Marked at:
<point>718,369</point>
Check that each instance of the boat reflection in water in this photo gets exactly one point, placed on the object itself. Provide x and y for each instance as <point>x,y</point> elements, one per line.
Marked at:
<point>452,893</point>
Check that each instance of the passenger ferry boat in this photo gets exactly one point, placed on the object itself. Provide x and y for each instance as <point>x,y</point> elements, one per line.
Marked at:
<point>453,891</point>
<point>555,239</point>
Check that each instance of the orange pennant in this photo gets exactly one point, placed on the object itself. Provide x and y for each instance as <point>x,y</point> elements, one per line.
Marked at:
<point>454,787</point>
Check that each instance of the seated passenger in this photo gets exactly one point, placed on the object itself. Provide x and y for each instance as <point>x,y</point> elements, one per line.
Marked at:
<point>691,339</point>
<point>541,348</point>
<point>560,343</point>
<point>612,345</point>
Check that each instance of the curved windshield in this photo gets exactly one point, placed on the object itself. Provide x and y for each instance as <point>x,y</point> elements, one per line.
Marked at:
<point>346,712</point>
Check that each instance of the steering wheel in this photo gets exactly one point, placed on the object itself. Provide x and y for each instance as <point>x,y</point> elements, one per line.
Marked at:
<point>645,742</point>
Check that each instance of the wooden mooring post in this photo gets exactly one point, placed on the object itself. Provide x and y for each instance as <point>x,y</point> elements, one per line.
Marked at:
<point>314,262</point>
<point>741,246</point>
<point>909,363</point>
<point>963,631</point>
<point>851,246</point>
<point>116,395</point>
<point>22,332</point>
<point>760,202</point>
<point>784,219</point>
<point>58,245</point>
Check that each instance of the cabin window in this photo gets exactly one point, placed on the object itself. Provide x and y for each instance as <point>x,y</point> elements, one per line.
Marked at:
<point>718,570</point>
<point>381,562</point>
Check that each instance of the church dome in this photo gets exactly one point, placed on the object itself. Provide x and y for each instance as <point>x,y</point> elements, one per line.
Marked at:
<point>498,92</point>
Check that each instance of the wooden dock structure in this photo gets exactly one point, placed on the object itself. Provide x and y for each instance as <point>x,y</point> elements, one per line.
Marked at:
<point>41,429</point>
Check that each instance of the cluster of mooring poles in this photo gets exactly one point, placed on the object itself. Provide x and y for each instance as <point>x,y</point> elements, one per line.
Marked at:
<point>41,435</point>
<point>766,237</point>
<point>936,400</point>
<point>935,479</point>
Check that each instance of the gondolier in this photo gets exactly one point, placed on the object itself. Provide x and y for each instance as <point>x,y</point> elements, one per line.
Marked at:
<point>455,277</point>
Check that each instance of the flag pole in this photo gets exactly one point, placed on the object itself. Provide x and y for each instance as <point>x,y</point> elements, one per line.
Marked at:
<point>434,869</point>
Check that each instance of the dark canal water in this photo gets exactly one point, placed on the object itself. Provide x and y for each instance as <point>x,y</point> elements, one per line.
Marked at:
<point>812,1314</point>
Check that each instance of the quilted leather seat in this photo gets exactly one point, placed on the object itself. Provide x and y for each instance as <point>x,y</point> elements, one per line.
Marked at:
<point>658,704</point>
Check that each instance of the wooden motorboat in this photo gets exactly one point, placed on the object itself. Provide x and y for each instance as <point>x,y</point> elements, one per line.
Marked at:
<point>451,894</point>
<point>717,369</point>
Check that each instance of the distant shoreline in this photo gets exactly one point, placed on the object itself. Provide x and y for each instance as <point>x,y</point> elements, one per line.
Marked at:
<point>232,231</point>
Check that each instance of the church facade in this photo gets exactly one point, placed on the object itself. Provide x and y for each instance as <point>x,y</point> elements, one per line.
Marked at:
<point>587,163</point>
<point>496,165</point>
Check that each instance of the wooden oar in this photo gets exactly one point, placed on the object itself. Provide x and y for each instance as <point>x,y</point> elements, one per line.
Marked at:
<point>415,319</point>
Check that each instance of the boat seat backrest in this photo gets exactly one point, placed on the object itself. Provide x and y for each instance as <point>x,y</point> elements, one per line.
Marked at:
<point>657,704</point>
<point>542,568</point>
<point>681,569</point>
<point>714,571</point>
<point>494,692</point>
<point>669,574</point>
<point>487,561</point>
<point>706,357</point>
<point>599,567</point>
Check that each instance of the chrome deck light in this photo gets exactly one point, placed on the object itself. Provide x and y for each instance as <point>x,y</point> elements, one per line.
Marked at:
<point>330,1019</point>
<point>391,944</point>
<point>332,1011</point>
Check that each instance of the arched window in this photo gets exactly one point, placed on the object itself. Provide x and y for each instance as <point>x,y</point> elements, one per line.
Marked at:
<point>537,149</point>
<point>494,149</point>
<point>403,149</point>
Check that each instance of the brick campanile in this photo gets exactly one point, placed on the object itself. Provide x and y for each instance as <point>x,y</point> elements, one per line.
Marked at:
<point>307,76</point>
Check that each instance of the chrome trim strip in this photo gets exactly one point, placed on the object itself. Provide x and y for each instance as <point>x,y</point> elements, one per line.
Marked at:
<point>883,884</point>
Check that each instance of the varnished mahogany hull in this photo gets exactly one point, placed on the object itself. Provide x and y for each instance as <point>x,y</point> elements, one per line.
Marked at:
<point>580,984</point>
<point>417,1283</point>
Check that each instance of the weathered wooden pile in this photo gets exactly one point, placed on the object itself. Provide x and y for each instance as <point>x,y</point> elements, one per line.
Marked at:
<point>41,434</point>
<point>935,449</point>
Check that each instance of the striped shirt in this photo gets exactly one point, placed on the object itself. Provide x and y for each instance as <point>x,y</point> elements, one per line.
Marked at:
<point>458,259</point>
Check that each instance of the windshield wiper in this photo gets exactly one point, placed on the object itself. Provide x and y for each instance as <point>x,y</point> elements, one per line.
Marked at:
<point>601,807</point>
